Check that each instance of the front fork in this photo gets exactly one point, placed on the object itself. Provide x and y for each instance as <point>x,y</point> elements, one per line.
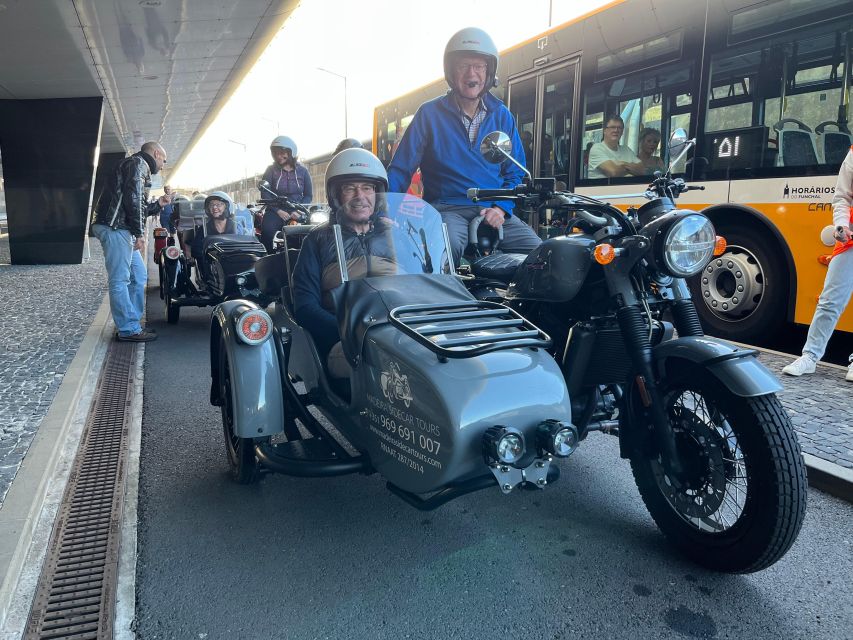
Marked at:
<point>631,316</point>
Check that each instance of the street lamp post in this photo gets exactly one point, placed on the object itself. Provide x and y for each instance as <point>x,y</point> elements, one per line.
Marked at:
<point>245,170</point>
<point>344,78</point>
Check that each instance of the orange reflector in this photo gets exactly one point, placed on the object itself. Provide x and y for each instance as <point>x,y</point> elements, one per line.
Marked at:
<point>173,253</point>
<point>255,327</point>
<point>720,246</point>
<point>604,253</point>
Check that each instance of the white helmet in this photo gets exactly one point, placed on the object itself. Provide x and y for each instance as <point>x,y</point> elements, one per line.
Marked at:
<point>220,195</point>
<point>354,164</point>
<point>285,143</point>
<point>476,41</point>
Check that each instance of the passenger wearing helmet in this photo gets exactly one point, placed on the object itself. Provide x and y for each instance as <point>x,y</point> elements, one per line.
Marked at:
<point>218,221</point>
<point>287,178</point>
<point>444,140</point>
<point>355,182</point>
<point>347,143</point>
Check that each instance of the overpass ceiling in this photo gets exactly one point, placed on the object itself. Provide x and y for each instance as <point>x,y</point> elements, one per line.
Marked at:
<point>165,67</point>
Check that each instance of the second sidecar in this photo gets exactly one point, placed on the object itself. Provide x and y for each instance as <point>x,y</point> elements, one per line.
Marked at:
<point>446,394</point>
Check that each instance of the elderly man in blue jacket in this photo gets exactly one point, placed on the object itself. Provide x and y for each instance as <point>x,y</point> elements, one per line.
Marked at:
<point>444,140</point>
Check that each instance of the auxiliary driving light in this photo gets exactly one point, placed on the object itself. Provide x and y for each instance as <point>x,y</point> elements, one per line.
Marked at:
<point>173,253</point>
<point>253,326</point>
<point>503,444</point>
<point>557,438</point>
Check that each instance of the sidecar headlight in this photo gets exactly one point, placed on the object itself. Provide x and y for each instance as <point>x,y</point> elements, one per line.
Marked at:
<point>503,444</point>
<point>254,326</point>
<point>688,245</point>
<point>557,438</point>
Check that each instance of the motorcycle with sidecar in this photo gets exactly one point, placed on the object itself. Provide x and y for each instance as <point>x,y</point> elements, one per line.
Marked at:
<point>223,270</point>
<point>713,452</point>
<point>449,394</point>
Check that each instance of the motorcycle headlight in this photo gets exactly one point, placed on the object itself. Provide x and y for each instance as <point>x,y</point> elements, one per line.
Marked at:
<point>688,245</point>
<point>319,217</point>
<point>503,444</point>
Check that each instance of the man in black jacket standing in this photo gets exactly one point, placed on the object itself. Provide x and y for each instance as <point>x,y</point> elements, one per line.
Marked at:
<point>119,223</point>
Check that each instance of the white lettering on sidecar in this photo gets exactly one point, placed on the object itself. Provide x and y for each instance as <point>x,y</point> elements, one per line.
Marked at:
<point>395,385</point>
<point>427,427</point>
<point>401,440</point>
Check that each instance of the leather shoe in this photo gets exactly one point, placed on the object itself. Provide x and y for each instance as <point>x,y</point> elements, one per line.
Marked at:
<point>142,336</point>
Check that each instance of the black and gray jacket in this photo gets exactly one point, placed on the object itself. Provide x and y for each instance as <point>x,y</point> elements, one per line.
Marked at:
<point>316,274</point>
<point>123,203</point>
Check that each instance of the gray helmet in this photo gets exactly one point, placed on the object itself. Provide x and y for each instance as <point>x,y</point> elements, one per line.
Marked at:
<point>473,41</point>
<point>348,143</point>
<point>220,195</point>
<point>354,164</point>
<point>285,143</point>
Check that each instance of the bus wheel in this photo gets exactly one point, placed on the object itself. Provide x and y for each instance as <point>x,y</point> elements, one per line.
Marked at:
<point>742,294</point>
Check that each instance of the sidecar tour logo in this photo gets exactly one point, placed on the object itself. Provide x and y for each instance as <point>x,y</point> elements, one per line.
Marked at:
<point>395,385</point>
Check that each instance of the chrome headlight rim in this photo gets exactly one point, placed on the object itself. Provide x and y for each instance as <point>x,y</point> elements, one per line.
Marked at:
<point>499,439</point>
<point>666,253</point>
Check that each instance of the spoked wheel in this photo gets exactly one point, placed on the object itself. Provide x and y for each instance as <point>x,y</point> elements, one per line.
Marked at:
<point>740,501</point>
<point>240,451</point>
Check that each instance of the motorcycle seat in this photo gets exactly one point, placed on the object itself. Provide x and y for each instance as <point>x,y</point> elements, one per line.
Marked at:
<point>498,266</point>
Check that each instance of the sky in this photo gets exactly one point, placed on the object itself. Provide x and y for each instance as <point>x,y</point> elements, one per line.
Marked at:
<point>385,48</point>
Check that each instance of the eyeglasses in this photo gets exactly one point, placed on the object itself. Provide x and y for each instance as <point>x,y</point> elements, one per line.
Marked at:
<point>478,67</point>
<point>617,127</point>
<point>350,189</point>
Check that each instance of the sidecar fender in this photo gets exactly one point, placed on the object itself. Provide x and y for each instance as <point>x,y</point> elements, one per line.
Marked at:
<point>735,367</point>
<point>258,402</point>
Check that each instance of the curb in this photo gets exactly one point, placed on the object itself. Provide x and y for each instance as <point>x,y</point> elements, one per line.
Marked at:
<point>822,474</point>
<point>25,523</point>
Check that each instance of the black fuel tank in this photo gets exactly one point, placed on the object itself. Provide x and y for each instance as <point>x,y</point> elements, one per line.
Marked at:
<point>555,271</point>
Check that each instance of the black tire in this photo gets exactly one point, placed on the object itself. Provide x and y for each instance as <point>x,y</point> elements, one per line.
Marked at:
<point>173,311</point>
<point>752,317</point>
<point>242,461</point>
<point>742,503</point>
<point>162,275</point>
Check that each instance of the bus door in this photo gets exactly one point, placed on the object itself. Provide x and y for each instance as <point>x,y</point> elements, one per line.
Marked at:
<point>543,103</point>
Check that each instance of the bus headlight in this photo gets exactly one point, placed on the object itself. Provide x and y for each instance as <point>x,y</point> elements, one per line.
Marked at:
<point>688,245</point>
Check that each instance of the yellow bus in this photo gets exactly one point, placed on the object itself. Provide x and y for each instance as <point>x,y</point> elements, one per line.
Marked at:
<point>763,86</point>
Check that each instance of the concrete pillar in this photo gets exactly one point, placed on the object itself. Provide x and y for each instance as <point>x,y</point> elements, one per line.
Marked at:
<point>49,156</point>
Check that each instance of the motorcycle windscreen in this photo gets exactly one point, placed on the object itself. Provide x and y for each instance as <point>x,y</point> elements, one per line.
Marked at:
<point>386,234</point>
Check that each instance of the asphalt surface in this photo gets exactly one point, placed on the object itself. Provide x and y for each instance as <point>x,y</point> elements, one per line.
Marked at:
<point>344,558</point>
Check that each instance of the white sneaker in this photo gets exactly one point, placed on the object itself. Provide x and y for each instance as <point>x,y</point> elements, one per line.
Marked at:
<point>804,364</point>
<point>849,376</point>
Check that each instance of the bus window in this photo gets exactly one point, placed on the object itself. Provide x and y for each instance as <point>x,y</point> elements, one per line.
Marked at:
<point>650,104</point>
<point>785,95</point>
<point>557,102</point>
<point>523,108</point>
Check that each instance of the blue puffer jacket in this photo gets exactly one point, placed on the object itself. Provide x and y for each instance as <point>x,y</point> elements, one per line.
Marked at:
<point>437,142</point>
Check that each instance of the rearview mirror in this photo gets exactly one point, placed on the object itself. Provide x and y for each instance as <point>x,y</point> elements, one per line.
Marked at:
<point>496,147</point>
<point>677,141</point>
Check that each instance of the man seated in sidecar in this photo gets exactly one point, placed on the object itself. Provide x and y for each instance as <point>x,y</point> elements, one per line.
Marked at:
<point>355,182</point>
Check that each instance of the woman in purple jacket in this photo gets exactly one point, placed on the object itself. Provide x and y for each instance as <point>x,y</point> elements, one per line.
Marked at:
<point>287,178</point>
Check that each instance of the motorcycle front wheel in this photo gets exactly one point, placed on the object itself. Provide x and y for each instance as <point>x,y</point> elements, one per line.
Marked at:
<point>740,502</point>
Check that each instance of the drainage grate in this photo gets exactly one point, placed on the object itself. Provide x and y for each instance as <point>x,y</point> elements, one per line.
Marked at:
<point>75,596</point>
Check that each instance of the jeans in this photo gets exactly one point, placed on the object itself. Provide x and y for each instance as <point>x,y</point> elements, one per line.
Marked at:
<point>126,274</point>
<point>837,289</point>
<point>518,236</point>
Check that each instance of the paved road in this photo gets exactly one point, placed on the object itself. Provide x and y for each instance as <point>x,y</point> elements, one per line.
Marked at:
<point>343,558</point>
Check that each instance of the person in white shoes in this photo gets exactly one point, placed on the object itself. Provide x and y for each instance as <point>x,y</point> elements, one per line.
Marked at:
<point>838,286</point>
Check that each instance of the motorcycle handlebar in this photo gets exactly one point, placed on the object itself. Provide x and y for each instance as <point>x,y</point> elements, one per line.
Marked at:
<point>479,194</point>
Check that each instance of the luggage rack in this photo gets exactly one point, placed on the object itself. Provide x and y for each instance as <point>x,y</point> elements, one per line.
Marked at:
<point>425,322</point>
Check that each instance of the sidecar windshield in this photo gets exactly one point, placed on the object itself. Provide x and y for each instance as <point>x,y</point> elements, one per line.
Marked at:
<point>405,236</point>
